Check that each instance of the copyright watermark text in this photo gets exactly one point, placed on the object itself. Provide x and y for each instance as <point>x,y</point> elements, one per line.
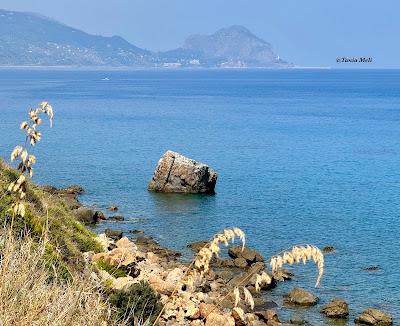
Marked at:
<point>354,60</point>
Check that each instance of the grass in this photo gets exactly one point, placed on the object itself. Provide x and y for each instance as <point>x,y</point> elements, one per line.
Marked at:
<point>67,237</point>
<point>31,295</point>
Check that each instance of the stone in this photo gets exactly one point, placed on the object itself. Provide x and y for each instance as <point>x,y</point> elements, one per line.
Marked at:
<point>371,269</point>
<point>225,275</point>
<point>99,216</point>
<point>126,243</point>
<point>85,215</point>
<point>206,309</point>
<point>174,276</point>
<point>282,275</point>
<point>244,278</point>
<point>328,250</point>
<point>116,218</point>
<point>374,317</point>
<point>69,194</point>
<point>239,317</point>
<point>251,256</point>
<point>136,231</point>
<point>300,297</point>
<point>122,282</point>
<point>265,305</point>
<point>120,257</point>
<point>218,319</point>
<point>72,190</point>
<point>337,308</point>
<point>196,246</point>
<point>113,208</point>
<point>267,315</point>
<point>113,234</point>
<point>240,262</point>
<point>159,285</point>
<point>224,263</point>
<point>177,173</point>
<point>297,321</point>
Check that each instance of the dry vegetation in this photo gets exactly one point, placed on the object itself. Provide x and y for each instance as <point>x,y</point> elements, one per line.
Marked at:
<point>31,292</point>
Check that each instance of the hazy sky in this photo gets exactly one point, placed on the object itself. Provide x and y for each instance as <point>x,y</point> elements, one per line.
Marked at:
<point>308,32</point>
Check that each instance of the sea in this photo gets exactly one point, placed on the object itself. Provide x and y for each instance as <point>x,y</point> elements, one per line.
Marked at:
<point>303,157</point>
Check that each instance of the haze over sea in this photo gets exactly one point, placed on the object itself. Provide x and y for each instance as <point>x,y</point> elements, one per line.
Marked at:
<point>303,156</point>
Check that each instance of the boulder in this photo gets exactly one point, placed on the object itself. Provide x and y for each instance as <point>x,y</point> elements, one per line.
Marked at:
<point>160,286</point>
<point>86,215</point>
<point>196,246</point>
<point>113,234</point>
<point>206,309</point>
<point>100,215</point>
<point>240,262</point>
<point>337,308</point>
<point>300,297</point>
<point>251,256</point>
<point>177,173</point>
<point>126,243</point>
<point>116,218</point>
<point>374,317</point>
<point>217,319</point>
<point>239,317</point>
<point>268,315</point>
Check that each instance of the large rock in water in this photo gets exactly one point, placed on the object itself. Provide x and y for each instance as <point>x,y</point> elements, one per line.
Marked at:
<point>374,317</point>
<point>177,173</point>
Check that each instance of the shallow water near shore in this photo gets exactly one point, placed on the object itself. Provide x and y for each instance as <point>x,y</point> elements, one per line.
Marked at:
<point>303,156</point>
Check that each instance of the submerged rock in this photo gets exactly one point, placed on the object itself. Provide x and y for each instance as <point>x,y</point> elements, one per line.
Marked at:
<point>337,308</point>
<point>374,317</point>
<point>371,269</point>
<point>328,250</point>
<point>300,297</point>
<point>177,173</point>
<point>116,218</point>
<point>113,208</point>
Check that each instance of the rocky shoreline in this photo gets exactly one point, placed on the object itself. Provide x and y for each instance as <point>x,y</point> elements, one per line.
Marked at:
<point>212,302</point>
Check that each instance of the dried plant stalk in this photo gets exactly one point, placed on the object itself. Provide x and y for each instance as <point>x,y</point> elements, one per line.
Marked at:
<point>25,166</point>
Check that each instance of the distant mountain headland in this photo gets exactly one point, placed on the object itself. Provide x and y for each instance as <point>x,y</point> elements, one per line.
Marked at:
<point>28,39</point>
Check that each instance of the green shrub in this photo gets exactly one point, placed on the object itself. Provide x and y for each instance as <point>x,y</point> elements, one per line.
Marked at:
<point>110,269</point>
<point>138,303</point>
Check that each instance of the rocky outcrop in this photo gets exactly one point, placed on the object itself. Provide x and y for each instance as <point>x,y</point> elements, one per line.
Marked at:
<point>337,308</point>
<point>179,174</point>
<point>374,317</point>
<point>69,194</point>
<point>300,297</point>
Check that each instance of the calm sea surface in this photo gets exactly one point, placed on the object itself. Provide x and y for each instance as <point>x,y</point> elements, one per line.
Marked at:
<point>308,156</point>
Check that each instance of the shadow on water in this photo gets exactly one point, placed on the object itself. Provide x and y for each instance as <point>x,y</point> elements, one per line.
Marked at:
<point>182,204</point>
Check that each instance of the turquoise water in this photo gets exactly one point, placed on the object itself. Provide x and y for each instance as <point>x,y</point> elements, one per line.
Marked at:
<point>303,156</point>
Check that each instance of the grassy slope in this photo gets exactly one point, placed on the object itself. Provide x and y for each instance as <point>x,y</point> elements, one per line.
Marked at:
<point>48,216</point>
